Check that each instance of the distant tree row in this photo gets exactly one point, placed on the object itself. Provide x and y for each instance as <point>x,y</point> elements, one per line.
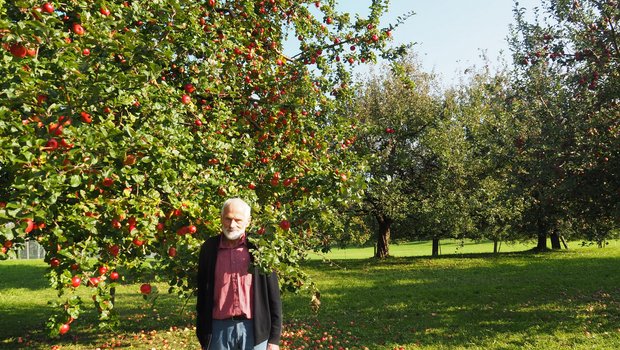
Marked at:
<point>530,151</point>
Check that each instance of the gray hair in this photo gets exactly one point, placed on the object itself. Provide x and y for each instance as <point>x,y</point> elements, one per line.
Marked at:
<point>240,201</point>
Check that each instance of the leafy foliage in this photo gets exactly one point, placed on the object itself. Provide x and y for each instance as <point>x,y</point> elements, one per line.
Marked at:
<point>126,124</point>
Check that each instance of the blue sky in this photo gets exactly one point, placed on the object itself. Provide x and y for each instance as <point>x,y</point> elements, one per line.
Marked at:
<point>450,34</point>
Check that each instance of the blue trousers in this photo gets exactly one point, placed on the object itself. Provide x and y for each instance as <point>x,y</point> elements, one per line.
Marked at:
<point>234,335</point>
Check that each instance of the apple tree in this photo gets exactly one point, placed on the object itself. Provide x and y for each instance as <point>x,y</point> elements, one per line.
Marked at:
<point>483,109</point>
<point>566,109</point>
<point>125,124</point>
<point>396,111</point>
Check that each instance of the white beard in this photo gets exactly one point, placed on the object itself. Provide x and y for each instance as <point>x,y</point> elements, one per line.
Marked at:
<point>232,235</point>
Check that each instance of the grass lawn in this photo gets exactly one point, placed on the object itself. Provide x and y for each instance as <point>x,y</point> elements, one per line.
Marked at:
<point>467,300</point>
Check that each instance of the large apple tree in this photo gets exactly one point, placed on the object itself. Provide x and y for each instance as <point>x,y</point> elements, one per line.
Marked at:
<point>397,113</point>
<point>566,108</point>
<point>124,125</point>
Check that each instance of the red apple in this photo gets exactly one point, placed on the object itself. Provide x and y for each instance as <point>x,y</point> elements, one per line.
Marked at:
<point>104,11</point>
<point>94,281</point>
<point>252,185</point>
<point>145,289</point>
<point>137,241</point>
<point>185,99</point>
<point>172,252</point>
<point>182,231</point>
<point>52,144</point>
<point>103,270</point>
<point>86,52</point>
<point>261,231</point>
<point>18,50</point>
<point>107,182</point>
<point>191,229</point>
<point>160,226</point>
<point>47,7</point>
<point>76,281</point>
<point>285,225</point>
<point>64,329</point>
<point>114,275</point>
<point>78,29</point>
<point>86,118</point>
<point>29,225</point>
<point>198,122</point>
<point>116,224</point>
<point>113,250</point>
<point>189,88</point>
<point>54,262</point>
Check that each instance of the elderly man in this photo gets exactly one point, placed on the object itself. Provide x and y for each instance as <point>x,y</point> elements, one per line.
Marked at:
<point>237,306</point>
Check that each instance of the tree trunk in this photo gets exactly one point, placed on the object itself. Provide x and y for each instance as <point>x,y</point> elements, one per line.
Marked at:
<point>542,237</point>
<point>435,247</point>
<point>383,241</point>
<point>495,246</point>
<point>555,241</point>
<point>542,241</point>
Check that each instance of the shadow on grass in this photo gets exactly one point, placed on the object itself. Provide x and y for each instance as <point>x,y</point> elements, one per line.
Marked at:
<point>465,299</point>
<point>25,292</point>
<point>137,317</point>
<point>449,301</point>
<point>17,276</point>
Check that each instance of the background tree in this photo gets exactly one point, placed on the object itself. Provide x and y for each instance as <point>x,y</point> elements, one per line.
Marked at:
<point>566,107</point>
<point>395,111</point>
<point>484,112</point>
<point>125,125</point>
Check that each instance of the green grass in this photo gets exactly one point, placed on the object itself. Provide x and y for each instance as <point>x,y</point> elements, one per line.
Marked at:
<point>517,300</point>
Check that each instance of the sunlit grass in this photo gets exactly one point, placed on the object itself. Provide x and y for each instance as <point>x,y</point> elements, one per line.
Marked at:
<point>558,300</point>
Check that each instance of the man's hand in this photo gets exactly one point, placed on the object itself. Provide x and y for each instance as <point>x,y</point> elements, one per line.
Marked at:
<point>273,347</point>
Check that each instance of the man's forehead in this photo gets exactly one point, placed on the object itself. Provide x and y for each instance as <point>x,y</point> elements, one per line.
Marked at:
<point>234,211</point>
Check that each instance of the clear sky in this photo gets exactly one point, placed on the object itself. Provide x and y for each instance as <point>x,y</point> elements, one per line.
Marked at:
<point>450,34</point>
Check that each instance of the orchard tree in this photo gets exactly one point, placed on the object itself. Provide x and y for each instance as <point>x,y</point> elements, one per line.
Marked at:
<point>125,125</point>
<point>395,111</point>
<point>568,82</point>
<point>482,107</point>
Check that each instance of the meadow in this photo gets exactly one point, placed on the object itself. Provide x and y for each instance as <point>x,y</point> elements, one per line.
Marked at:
<point>467,298</point>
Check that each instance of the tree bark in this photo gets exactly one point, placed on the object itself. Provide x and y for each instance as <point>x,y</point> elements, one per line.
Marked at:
<point>435,247</point>
<point>495,246</point>
<point>542,241</point>
<point>383,240</point>
<point>542,236</point>
<point>555,241</point>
